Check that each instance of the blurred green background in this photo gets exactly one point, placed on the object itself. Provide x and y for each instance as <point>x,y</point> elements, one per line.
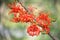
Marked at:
<point>17,31</point>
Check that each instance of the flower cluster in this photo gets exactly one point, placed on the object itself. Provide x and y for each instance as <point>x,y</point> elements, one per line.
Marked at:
<point>26,18</point>
<point>21,15</point>
<point>33,30</point>
<point>16,8</point>
<point>44,20</point>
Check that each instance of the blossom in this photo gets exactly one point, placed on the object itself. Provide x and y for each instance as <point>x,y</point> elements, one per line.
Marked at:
<point>43,19</point>
<point>16,8</point>
<point>26,18</point>
<point>33,30</point>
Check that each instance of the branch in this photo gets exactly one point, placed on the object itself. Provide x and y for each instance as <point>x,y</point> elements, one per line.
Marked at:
<point>25,8</point>
<point>51,36</point>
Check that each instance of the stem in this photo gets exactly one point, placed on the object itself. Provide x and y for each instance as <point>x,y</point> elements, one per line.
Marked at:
<point>24,8</point>
<point>51,36</point>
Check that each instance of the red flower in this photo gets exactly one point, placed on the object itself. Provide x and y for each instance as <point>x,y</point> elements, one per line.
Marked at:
<point>43,19</point>
<point>17,8</point>
<point>33,30</point>
<point>26,18</point>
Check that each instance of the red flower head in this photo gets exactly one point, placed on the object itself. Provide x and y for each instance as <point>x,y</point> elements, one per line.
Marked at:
<point>26,18</point>
<point>17,8</point>
<point>43,19</point>
<point>33,30</point>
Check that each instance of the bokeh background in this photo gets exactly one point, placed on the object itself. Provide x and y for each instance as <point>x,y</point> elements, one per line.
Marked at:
<point>17,31</point>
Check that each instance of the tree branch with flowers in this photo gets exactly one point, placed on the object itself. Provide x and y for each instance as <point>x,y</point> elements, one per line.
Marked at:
<point>38,25</point>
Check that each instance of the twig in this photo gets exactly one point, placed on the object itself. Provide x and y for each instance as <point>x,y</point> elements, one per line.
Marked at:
<point>51,36</point>
<point>24,7</point>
